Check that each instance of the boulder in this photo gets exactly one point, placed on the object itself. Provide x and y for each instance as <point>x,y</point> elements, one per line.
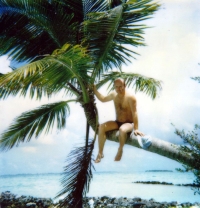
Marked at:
<point>31,205</point>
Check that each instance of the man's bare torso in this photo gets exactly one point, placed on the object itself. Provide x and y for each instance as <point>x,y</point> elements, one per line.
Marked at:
<point>123,108</point>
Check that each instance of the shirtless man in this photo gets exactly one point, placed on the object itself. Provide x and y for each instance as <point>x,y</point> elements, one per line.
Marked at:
<point>126,117</point>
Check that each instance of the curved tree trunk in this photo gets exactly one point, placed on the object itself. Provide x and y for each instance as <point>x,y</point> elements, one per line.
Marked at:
<point>90,111</point>
<point>157,146</point>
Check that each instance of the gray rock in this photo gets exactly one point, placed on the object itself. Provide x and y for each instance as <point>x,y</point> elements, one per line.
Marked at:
<point>187,204</point>
<point>104,197</point>
<point>122,200</point>
<point>174,203</point>
<point>138,205</point>
<point>196,204</point>
<point>137,199</point>
<point>124,204</point>
<point>97,202</point>
<point>152,200</point>
<point>111,205</point>
<point>115,201</point>
<point>149,205</point>
<point>31,205</point>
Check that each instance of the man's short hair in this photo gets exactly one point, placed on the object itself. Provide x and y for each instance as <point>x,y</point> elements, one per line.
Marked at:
<point>120,80</point>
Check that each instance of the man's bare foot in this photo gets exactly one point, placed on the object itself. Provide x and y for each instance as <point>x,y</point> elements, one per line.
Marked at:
<point>99,157</point>
<point>118,155</point>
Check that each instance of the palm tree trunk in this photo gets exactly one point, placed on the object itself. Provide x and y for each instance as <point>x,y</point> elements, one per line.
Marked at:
<point>91,113</point>
<point>159,147</point>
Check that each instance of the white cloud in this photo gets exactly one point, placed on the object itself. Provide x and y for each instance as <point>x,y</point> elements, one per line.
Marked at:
<point>4,65</point>
<point>29,149</point>
<point>46,139</point>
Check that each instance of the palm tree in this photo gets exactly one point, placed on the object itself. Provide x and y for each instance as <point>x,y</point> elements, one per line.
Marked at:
<point>68,46</point>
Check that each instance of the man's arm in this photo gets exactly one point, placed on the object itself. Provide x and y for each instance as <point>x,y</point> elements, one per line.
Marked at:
<point>133,106</point>
<point>101,97</point>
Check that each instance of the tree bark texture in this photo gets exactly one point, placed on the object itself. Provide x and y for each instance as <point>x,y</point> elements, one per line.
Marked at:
<point>90,111</point>
<point>158,146</point>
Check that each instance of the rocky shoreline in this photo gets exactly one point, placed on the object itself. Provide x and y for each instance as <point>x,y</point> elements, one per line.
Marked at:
<point>9,200</point>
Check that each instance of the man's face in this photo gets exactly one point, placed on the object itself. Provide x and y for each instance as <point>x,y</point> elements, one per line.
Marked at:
<point>119,87</point>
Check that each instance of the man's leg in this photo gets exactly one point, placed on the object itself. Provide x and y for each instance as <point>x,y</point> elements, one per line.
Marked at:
<point>103,128</point>
<point>123,130</point>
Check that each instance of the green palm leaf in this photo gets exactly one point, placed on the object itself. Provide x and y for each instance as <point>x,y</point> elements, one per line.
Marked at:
<point>77,176</point>
<point>31,28</point>
<point>94,6</point>
<point>107,33</point>
<point>33,123</point>
<point>98,34</point>
<point>196,79</point>
<point>141,83</point>
<point>70,64</point>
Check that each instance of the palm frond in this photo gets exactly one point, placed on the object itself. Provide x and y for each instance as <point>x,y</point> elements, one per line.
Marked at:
<point>77,176</point>
<point>115,3</point>
<point>107,33</point>
<point>33,123</point>
<point>98,33</point>
<point>32,28</point>
<point>141,83</point>
<point>94,6</point>
<point>129,30</point>
<point>70,64</point>
<point>196,79</point>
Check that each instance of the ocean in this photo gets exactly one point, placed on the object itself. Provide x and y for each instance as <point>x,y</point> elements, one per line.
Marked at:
<point>112,184</point>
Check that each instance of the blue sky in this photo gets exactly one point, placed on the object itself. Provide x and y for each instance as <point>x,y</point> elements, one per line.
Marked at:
<point>172,55</point>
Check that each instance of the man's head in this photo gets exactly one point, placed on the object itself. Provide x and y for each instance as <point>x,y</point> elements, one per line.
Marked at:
<point>119,85</point>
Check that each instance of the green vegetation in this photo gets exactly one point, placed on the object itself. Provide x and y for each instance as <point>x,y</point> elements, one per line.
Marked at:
<point>191,147</point>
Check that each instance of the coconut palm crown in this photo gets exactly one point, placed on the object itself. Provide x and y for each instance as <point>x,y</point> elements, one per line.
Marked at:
<point>69,46</point>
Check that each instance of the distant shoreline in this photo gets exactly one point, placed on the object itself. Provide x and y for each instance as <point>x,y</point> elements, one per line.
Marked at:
<point>158,171</point>
<point>166,183</point>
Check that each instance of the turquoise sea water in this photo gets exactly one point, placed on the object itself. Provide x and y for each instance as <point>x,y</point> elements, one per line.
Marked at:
<point>111,184</point>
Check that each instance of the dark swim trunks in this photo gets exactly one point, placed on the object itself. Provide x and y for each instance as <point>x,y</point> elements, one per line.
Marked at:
<point>121,123</point>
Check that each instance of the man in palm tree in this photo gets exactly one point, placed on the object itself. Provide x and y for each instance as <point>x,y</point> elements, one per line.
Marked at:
<point>126,117</point>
